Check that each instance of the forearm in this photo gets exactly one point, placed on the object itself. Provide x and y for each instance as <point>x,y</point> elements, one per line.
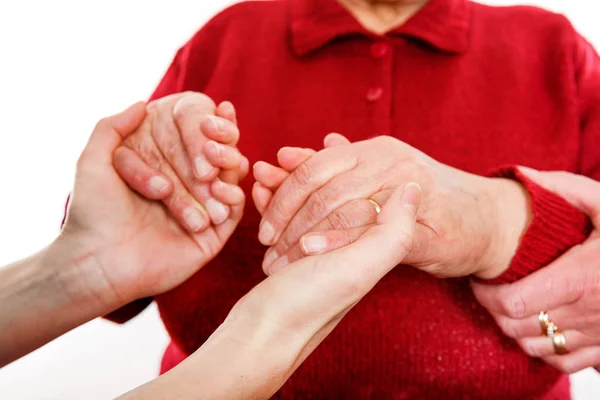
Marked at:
<point>247,357</point>
<point>41,298</point>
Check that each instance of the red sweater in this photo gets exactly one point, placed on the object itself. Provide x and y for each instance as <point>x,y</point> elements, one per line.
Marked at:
<point>473,86</point>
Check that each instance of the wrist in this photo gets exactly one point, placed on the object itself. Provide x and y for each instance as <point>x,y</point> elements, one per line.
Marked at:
<point>77,269</point>
<point>510,214</point>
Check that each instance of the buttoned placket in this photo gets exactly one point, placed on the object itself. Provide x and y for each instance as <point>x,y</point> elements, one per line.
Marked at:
<point>379,93</point>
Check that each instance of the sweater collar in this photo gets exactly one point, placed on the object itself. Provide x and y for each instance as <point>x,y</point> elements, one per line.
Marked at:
<point>443,24</point>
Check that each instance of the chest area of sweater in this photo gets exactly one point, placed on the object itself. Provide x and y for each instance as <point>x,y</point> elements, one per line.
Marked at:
<point>471,115</point>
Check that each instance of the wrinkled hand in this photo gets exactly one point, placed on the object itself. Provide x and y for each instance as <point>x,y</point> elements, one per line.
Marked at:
<point>182,153</point>
<point>126,246</point>
<point>568,289</point>
<point>467,224</point>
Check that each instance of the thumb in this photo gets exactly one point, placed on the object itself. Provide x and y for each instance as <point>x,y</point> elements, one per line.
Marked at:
<point>110,132</point>
<point>582,192</point>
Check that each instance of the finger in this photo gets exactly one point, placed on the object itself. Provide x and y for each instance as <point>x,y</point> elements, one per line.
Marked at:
<point>227,110</point>
<point>222,156</point>
<point>227,193</point>
<point>321,203</point>
<point>220,130</point>
<point>380,248</point>
<point>335,139</point>
<point>180,202</point>
<point>542,346</point>
<point>354,214</point>
<point>110,132</point>
<point>545,289</point>
<point>575,361</point>
<point>323,242</point>
<point>582,192</point>
<point>244,168</point>
<point>235,175</point>
<point>294,191</point>
<point>290,158</point>
<point>315,243</point>
<point>169,141</point>
<point>261,197</point>
<point>567,317</point>
<point>139,176</point>
<point>188,113</point>
<point>268,175</point>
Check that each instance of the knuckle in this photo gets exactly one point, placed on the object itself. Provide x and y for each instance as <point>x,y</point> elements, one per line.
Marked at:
<point>338,220</point>
<point>513,305</point>
<point>192,101</point>
<point>316,205</point>
<point>173,149</point>
<point>303,174</point>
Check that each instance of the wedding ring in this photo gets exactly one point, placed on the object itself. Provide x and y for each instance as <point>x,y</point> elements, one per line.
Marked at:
<point>560,343</point>
<point>548,327</point>
<point>544,319</point>
<point>376,205</point>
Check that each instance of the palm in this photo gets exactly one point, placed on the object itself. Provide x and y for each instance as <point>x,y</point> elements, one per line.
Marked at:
<point>149,251</point>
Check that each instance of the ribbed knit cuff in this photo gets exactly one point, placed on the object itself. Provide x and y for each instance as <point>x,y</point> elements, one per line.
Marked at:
<point>555,228</point>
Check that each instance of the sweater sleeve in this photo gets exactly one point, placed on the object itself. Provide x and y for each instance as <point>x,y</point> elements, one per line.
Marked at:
<point>557,226</point>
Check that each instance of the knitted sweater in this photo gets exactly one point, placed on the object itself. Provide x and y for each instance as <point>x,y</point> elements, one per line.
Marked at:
<point>473,86</point>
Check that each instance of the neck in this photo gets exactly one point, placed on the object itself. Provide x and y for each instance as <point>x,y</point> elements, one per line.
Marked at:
<point>380,16</point>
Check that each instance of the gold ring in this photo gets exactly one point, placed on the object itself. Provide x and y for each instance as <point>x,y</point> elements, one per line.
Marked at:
<point>547,326</point>
<point>376,205</point>
<point>543,318</point>
<point>560,343</point>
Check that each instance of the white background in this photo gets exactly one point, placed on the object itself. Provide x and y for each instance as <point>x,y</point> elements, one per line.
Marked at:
<point>63,66</point>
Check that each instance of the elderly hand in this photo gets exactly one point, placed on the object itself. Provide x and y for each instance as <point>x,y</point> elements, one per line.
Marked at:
<point>568,289</point>
<point>284,318</point>
<point>126,246</point>
<point>467,225</point>
<point>176,156</point>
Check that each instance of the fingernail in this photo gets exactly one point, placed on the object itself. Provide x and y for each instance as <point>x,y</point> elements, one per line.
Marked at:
<point>266,233</point>
<point>270,256</point>
<point>218,211</point>
<point>203,167</point>
<point>281,262</point>
<point>193,219</point>
<point>313,244</point>
<point>158,184</point>
<point>412,197</point>
<point>217,123</point>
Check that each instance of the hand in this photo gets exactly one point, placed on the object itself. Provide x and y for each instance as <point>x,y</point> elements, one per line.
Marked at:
<point>127,247</point>
<point>568,289</point>
<point>284,318</point>
<point>467,224</point>
<point>176,156</point>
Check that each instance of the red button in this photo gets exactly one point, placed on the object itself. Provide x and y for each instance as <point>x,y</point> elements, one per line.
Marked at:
<point>380,50</point>
<point>374,94</point>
